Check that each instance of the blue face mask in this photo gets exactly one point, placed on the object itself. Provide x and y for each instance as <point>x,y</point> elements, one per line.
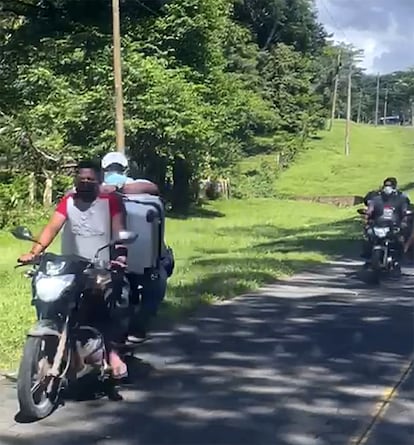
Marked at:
<point>114,178</point>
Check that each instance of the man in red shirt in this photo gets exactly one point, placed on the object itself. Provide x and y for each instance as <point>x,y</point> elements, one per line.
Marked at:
<point>89,220</point>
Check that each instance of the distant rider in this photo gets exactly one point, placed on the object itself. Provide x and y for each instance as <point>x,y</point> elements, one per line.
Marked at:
<point>390,205</point>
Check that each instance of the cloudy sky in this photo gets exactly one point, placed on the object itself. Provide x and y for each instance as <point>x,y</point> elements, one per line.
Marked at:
<point>384,29</point>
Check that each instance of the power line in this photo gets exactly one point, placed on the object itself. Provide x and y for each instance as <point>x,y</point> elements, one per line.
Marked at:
<point>339,28</point>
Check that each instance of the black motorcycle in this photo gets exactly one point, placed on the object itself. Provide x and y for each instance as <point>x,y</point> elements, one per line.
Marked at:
<point>61,347</point>
<point>384,237</point>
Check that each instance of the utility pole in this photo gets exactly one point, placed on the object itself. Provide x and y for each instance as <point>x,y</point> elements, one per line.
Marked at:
<point>119,100</point>
<point>359,107</point>
<point>412,112</point>
<point>385,105</point>
<point>348,112</point>
<point>377,101</point>
<point>335,91</point>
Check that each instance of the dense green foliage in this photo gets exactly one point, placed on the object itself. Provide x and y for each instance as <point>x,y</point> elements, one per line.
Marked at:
<point>205,83</point>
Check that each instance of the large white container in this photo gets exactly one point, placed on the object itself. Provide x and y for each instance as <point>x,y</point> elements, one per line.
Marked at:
<point>145,216</point>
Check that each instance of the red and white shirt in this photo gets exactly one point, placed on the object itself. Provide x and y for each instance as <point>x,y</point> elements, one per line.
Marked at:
<point>88,226</point>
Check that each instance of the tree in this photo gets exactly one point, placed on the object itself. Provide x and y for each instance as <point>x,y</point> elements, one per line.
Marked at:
<point>205,82</point>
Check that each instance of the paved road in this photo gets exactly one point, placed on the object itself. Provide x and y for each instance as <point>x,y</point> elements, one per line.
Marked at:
<point>302,362</point>
<point>396,425</point>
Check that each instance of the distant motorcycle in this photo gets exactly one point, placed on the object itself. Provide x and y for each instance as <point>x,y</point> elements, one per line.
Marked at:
<point>385,238</point>
<point>61,347</point>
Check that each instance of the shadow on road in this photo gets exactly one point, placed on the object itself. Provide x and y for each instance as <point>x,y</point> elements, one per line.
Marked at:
<point>397,424</point>
<point>282,366</point>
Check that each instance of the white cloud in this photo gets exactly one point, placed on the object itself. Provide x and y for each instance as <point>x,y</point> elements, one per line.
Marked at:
<point>383,29</point>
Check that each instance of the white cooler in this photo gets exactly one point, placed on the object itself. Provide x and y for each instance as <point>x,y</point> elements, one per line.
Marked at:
<point>146,217</point>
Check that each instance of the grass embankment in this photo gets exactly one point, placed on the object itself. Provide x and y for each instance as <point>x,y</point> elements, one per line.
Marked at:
<point>375,154</point>
<point>324,170</point>
<point>230,247</point>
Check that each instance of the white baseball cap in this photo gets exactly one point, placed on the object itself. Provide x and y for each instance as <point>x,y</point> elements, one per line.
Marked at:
<point>115,157</point>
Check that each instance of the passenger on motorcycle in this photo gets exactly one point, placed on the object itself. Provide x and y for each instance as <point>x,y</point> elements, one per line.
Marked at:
<point>89,220</point>
<point>153,291</point>
<point>390,205</point>
<point>115,166</point>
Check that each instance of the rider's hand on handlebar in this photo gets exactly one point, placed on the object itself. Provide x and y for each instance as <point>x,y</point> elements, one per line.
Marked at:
<point>26,258</point>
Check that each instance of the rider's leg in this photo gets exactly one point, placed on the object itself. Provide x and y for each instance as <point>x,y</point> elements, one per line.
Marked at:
<point>116,329</point>
<point>152,295</point>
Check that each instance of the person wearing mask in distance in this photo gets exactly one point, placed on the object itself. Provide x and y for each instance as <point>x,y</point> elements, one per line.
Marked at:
<point>392,181</point>
<point>115,166</point>
<point>89,220</point>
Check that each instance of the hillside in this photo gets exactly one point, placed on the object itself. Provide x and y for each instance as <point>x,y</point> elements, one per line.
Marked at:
<point>375,154</point>
<point>324,170</point>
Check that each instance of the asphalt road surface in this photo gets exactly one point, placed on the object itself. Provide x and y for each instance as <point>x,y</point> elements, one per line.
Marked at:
<point>305,361</point>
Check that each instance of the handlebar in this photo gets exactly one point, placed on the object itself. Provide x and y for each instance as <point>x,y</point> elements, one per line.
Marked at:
<point>34,262</point>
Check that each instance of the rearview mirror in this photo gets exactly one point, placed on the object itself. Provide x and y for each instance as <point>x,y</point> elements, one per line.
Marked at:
<point>125,237</point>
<point>23,233</point>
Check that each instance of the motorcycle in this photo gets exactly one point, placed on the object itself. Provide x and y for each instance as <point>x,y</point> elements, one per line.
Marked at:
<point>384,237</point>
<point>61,347</point>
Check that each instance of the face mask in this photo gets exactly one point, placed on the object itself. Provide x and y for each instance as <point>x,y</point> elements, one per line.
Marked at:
<point>114,178</point>
<point>87,190</point>
<point>388,189</point>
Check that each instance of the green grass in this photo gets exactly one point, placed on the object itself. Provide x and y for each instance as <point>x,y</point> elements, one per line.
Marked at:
<point>375,154</point>
<point>230,247</point>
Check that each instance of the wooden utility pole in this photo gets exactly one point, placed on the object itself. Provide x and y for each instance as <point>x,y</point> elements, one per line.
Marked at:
<point>412,112</point>
<point>119,101</point>
<point>335,91</point>
<point>359,107</point>
<point>385,105</point>
<point>348,113</point>
<point>377,101</point>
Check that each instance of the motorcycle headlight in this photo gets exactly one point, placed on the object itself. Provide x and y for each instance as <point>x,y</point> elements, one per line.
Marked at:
<point>50,288</point>
<point>53,268</point>
<point>381,232</point>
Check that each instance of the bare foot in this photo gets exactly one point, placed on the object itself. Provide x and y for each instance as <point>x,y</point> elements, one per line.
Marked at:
<point>119,368</point>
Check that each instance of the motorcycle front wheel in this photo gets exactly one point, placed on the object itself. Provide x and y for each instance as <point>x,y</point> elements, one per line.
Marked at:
<point>37,392</point>
<point>376,264</point>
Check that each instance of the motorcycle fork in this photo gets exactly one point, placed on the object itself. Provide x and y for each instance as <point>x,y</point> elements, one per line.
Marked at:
<point>60,350</point>
<point>384,249</point>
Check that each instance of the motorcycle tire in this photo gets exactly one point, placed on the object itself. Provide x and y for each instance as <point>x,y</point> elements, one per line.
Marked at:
<point>33,407</point>
<point>376,260</point>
